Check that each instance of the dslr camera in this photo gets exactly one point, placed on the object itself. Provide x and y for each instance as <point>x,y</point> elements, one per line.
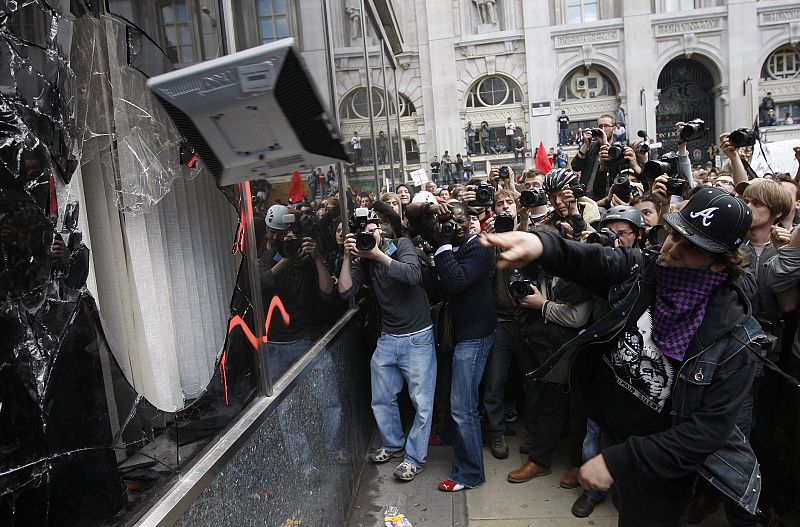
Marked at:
<point>597,133</point>
<point>448,226</point>
<point>302,226</point>
<point>535,197</point>
<point>622,185</point>
<point>605,237</point>
<point>668,164</point>
<point>365,241</point>
<point>520,287</point>
<point>693,129</point>
<point>743,137</point>
<point>484,196</point>
<point>504,173</point>
<point>503,223</point>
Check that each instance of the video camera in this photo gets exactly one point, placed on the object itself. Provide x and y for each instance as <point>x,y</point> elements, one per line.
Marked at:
<point>484,196</point>
<point>743,137</point>
<point>520,287</point>
<point>646,145</point>
<point>365,241</point>
<point>692,129</point>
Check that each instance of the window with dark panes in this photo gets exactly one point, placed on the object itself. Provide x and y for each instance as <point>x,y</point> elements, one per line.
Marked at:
<point>177,32</point>
<point>273,20</point>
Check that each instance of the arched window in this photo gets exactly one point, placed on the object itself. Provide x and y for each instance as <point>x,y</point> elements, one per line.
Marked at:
<point>177,32</point>
<point>583,84</point>
<point>783,63</point>
<point>493,91</point>
<point>356,105</point>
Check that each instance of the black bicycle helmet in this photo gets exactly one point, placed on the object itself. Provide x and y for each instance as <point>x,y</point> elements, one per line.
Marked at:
<point>624,213</point>
<point>557,179</point>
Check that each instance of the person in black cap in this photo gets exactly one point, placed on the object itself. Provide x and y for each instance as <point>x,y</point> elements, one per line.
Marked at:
<point>672,358</point>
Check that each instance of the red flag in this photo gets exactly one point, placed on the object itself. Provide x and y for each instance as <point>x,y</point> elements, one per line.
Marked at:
<point>296,191</point>
<point>542,161</point>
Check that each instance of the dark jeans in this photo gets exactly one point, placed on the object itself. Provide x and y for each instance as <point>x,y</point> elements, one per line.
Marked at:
<point>550,414</point>
<point>471,145</point>
<point>563,137</point>
<point>494,381</point>
<point>509,143</point>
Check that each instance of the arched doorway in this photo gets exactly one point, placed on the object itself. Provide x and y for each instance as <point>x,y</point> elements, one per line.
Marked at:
<point>686,94</point>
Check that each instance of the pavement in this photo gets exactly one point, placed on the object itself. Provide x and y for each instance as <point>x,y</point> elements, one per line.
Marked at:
<point>498,503</point>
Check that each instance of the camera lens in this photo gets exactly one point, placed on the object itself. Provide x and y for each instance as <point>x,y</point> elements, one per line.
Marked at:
<point>448,227</point>
<point>365,241</point>
<point>534,198</point>
<point>615,152</point>
<point>519,289</point>
<point>503,223</point>
<point>504,172</point>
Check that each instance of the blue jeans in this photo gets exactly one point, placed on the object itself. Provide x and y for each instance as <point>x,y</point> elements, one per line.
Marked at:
<point>589,451</point>
<point>469,360</point>
<point>281,356</point>
<point>409,358</point>
<point>563,137</point>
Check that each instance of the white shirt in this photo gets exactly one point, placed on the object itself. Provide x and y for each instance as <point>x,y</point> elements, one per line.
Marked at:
<point>510,128</point>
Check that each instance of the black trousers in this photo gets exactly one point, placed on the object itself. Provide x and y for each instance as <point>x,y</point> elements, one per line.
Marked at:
<point>650,502</point>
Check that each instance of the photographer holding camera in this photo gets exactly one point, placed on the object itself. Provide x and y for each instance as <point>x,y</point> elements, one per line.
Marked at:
<point>573,211</point>
<point>406,350</point>
<point>672,358</point>
<point>553,312</point>
<point>621,226</point>
<point>465,271</point>
<point>594,175</point>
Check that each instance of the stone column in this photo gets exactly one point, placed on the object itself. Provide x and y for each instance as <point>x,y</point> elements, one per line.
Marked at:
<point>541,63</point>
<point>640,52</point>
<point>741,55</point>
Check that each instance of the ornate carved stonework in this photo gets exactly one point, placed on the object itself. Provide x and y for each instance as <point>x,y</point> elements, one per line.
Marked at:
<point>681,27</point>
<point>779,17</point>
<point>783,89</point>
<point>574,40</point>
<point>578,109</point>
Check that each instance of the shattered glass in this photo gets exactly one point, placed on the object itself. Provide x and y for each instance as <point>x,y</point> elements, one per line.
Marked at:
<point>78,445</point>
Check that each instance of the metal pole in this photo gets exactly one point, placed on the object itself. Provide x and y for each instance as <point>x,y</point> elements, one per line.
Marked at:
<point>369,98</point>
<point>341,177</point>
<point>400,146</point>
<point>250,255</point>
<point>388,125</point>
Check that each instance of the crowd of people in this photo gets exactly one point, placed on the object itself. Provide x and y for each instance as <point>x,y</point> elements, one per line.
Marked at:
<point>650,305</point>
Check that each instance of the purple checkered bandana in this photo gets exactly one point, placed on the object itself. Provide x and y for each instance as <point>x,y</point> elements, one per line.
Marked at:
<point>681,299</point>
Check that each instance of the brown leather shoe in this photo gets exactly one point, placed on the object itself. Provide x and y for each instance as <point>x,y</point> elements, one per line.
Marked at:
<point>570,479</point>
<point>527,472</point>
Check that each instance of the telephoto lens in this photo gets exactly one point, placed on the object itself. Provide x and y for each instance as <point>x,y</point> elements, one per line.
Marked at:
<point>742,137</point>
<point>605,237</point>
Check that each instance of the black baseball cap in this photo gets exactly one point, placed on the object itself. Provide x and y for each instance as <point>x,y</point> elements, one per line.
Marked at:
<point>714,220</point>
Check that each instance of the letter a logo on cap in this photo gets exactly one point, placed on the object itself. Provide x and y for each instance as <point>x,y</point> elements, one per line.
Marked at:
<point>706,214</point>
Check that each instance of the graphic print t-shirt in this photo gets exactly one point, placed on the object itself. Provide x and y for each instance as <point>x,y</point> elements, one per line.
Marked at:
<point>631,393</point>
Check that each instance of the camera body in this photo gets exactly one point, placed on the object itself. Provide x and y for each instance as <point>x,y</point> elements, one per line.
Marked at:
<point>605,237</point>
<point>520,287</point>
<point>484,196</point>
<point>743,137</point>
<point>597,133</point>
<point>669,165</point>
<point>448,227</point>
<point>503,223</point>
<point>622,186</point>
<point>365,241</point>
<point>578,190</point>
<point>616,152</point>
<point>534,197</point>
<point>504,173</point>
<point>692,129</point>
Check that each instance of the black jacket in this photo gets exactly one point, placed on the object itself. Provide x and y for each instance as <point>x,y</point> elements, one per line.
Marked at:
<point>710,385</point>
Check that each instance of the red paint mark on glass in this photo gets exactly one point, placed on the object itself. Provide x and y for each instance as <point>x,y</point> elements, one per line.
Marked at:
<point>237,321</point>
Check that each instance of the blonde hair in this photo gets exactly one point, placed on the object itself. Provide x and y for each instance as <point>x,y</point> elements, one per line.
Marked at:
<point>770,193</point>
